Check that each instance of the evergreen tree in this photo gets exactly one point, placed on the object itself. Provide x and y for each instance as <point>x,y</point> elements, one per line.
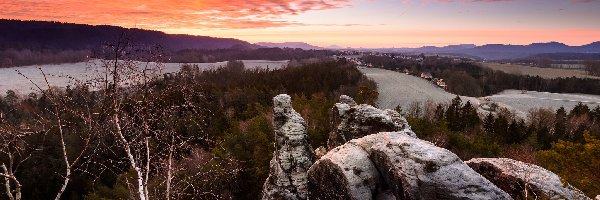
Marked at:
<point>453,114</point>
<point>560,124</point>
<point>469,116</point>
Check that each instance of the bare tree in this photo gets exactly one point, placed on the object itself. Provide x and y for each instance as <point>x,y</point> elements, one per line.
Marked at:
<point>15,151</point>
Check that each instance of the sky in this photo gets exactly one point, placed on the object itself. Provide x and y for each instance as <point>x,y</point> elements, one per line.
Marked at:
<point>346,23</point>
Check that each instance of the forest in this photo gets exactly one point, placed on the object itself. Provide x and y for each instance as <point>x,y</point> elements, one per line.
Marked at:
<point>191,135</point>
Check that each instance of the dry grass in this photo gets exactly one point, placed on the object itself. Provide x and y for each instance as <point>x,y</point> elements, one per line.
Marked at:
<point>537,71</point>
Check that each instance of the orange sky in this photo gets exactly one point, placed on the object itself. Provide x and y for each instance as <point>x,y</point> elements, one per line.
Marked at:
<point>355,23</point>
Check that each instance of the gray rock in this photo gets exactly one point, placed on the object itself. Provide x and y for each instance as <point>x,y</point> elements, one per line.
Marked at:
<point>293,155</point>
<point>416,169</point>
<point>351,121</point>
<point>519,178</point>
<point>346,172</point>
<point>345,99</point>
<point>406,167</point>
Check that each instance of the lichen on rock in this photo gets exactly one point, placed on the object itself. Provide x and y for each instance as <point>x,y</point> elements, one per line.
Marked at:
<point>406,167</point>
<point>293,155</point>
<point>518,178</point>
<point>351,121</point>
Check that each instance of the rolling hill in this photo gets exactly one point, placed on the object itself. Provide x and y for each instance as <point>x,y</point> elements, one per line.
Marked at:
<point>40,35</point>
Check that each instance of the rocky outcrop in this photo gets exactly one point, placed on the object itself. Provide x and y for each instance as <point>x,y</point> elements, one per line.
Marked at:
<point>375,155</point>
<point>293,155</point>
<point>351,121</point>
<point>395,164</point>
<point>345,172</point>
<point>519,179</point>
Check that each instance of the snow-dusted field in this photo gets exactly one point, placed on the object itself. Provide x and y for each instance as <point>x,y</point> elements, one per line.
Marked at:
<point>538,71</point>
<point>83,71</point>
<point>401,89</point>
<point>523,101</point>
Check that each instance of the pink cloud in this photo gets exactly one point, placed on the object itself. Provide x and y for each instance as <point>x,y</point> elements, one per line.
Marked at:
<point>167,13</point>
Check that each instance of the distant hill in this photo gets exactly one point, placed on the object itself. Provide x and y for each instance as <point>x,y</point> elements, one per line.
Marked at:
<point>294,45</point>
<point>39,35</point>
<point>500,51</point>
<point>565,56</point>
<point>503,51</point>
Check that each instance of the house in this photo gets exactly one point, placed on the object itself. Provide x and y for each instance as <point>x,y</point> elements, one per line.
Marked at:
<point>426,75</point>
<point>441,83</point>
<point>406,71</point>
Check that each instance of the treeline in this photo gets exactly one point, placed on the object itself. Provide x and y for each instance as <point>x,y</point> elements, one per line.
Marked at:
<point>566,143</point>
<point>470,79</point>
<point>592,67</point>
<point>208,134</point>
<point>25,57</point>
<point>219,55</point>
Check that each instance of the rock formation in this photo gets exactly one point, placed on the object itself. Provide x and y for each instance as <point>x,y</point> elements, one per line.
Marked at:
<point>519,179</point>
<point>293,155</point>
<point>375,155</point>
<point>351,121</point>
<point>395,164</point>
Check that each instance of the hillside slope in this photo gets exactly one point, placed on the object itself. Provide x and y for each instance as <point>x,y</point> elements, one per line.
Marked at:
<point>39,35</point>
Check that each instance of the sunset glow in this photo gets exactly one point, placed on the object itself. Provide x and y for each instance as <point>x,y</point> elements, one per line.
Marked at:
<point>353,23</point>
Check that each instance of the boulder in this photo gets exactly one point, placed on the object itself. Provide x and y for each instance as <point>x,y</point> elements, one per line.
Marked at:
<point>351,121</point>
<point>293,155</point>
<point>396,164</point>
<point>519,179</point>
<point>346,172</point>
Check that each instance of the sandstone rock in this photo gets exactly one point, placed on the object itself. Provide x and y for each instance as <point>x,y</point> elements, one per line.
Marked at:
<point>405,168</point>
<point>293,155</point>
<point>346,172</point>
<point>351,121</point>
<point>515,176</point>
<point>345,99</point>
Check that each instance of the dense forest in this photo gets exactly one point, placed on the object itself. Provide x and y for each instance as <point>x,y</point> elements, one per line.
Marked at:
<point>219,55</point>
<point>469,79</point>
<point>191,135</point>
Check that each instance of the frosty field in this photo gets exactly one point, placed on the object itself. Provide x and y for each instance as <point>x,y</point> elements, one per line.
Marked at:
<point>83,71</point>
<point>542,72</point>
<point>523,101</point>
<point>401,89</point>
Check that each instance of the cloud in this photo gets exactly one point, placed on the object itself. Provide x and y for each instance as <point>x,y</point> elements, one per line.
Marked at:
<point>583,1</point>
<point>156,14</point>
<point>473,1</point>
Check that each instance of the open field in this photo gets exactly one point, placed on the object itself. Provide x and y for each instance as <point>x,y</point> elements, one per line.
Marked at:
<point>84,71</point>
<point>533,71</point>
<point>523,101</point>
<point>401,89</point>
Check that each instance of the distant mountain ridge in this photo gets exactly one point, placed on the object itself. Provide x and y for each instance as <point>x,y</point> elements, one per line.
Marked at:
<point>503,51</point>
<point>41,35</point>
<point>294,45</point>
